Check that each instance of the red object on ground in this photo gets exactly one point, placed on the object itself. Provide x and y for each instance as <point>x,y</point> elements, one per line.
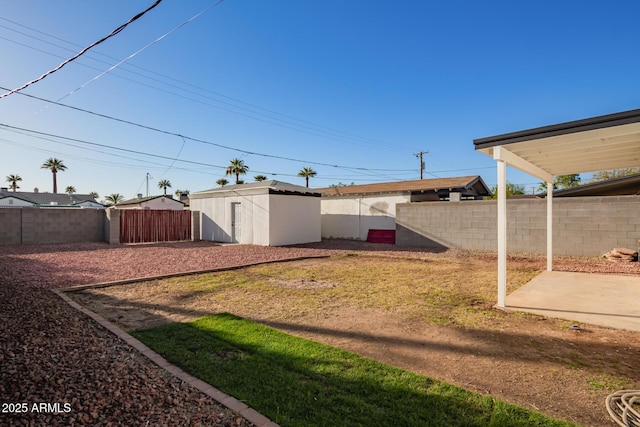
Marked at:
<point>381,236</point>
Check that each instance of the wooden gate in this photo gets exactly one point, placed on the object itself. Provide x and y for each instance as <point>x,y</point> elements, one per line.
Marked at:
<point>144,226</point>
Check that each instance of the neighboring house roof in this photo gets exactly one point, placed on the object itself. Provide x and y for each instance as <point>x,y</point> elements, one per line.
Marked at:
<point>50,199</point>
<point>270,187</point>
<point>624,186</point>
<point>140,200</point>
<point>467,185</point>
<point>11,196</point>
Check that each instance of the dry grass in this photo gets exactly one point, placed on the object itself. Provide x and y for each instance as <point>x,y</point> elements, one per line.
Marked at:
<point>444,291</point>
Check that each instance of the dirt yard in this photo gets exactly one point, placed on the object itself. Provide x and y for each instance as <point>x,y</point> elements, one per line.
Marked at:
<point>535,362</point>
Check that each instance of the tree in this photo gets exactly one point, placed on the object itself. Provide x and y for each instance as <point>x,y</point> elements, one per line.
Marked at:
<point>260,178</point>
<point>237,167</point>
<point>164,184</point>
<point>181,192</point>
<point>222,182</point>
<point>13,181</point>
<point>306,173</point>
<point>55,166</point>
<point>512,190</point>
<point>94,194</point>
<point>614,173</point>
<point>562,181</point>
<point>70,189</point>
<point>113,199</point>
<point>341,184</point>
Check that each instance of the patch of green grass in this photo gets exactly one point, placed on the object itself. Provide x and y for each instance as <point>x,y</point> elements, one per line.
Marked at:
<point>297,382</point>
<point>609,382</point>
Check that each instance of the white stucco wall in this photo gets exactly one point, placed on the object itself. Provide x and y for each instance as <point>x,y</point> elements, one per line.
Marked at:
<point>294,219</point>
<point>353,217</point>
<point>340,217</point>
<point>208,209</point>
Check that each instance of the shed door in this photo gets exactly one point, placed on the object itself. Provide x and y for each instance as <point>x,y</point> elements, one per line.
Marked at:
<point>236,222</point>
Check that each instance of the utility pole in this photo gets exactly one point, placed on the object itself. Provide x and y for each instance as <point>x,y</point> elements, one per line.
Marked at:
<point>419,155</point>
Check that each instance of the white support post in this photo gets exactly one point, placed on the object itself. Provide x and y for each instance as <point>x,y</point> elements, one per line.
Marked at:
<point>549,226</point>
<point>502,233</point>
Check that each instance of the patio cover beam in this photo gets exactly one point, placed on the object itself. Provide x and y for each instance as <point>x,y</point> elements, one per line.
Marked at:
<point>504,157</point>
<point>502,154</point>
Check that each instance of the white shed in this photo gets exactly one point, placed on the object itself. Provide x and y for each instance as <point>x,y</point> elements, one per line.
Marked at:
<point>268,213</point>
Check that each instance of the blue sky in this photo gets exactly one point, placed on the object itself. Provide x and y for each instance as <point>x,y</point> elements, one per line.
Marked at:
<point>350,88</point>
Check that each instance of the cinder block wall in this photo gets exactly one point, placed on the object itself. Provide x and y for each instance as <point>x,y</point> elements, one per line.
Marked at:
<point>581,225</point>
<point>195,226</point>
<point>112,226</point>
<point>10,225</point>
<point>50,225</point>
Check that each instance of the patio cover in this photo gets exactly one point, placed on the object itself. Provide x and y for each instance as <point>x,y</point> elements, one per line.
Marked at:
<point>598,143</point>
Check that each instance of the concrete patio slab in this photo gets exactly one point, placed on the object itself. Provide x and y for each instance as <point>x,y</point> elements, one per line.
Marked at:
<point>598,299</point>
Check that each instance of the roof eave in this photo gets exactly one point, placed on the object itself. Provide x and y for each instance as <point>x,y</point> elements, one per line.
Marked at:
<point>593,123</point>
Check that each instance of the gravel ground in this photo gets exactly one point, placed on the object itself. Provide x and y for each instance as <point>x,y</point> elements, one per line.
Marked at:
<point>51,354</point>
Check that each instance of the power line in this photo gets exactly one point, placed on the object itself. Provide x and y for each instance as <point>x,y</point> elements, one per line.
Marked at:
<point>44,135</point>
<point>113,67</point>
<point>328,131</point>
<point>107,146</point>
<point>25,131</point>
<point>201,141</point>
<point>83,51</point>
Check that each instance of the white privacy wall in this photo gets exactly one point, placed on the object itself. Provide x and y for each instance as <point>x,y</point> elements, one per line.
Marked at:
<point>353,217</point>
<point>293,219</point>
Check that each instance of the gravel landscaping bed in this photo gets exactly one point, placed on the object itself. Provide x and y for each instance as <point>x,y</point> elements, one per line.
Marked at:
<point>74,371</point>
<point>53,355</point>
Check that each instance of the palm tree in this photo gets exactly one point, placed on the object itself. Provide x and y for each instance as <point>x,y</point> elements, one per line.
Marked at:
<point>94,194</point>
<point>260,178</point>
<point>113,199</point>
<point>13,181</point>
<point>55,166</point>
<point>164,184</point>
<point>70,189</point>
<point>222,182</point>
<point>306,173</point>
<point>237,168</point>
